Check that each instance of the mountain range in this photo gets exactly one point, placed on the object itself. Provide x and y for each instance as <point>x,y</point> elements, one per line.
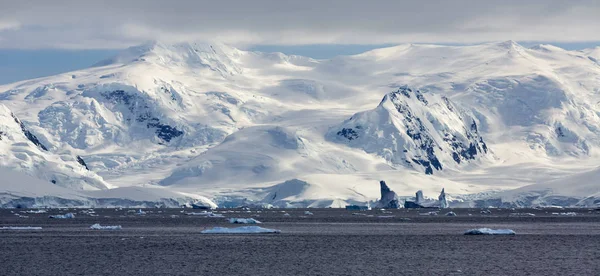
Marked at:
<point>494,124</point>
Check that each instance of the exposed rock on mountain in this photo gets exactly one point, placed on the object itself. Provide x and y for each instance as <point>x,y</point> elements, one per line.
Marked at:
<point>412,129</point>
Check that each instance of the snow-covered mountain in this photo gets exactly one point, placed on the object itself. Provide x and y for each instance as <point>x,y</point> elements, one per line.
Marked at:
<point>412,129</point>
<point>233,125</point>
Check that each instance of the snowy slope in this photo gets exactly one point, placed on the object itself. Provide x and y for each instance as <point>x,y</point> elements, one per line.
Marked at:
<point>22,151</point>
<point>206,118</point>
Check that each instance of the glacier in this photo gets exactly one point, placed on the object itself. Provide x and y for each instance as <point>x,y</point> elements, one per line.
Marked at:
<point>170,125</point>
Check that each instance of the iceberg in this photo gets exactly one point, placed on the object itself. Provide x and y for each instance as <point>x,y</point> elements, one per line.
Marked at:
<point>244,221</point>
<point>389,199</point>
<point>97,226</point>
<point>488,231</point>
<point>429,214</point>
<point>36,212</point>
<point>308,213</point>
<point>522,215</point>
<point>571,214</point>
<point>451,214</point>
<point>239,230</point>
<point>20,228</point>
<point>206,214</point>
<point>65,216</point>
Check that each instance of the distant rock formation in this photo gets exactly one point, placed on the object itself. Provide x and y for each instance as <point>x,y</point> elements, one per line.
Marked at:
<point>442,199</point>
<point>389,199</point>
<point>419,197</point>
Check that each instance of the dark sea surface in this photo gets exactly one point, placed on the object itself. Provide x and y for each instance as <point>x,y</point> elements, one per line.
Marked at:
<point>330,242</point>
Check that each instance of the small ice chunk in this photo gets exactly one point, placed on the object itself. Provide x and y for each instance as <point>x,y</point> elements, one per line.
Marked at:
<point>141,212</point>
<point>286,214</point>
<point>97,226</point>
<point>65,216</point>
<point>20,228</point>
<point>451,214</point>
<point>244,220</point>
<point>386,216</point>
<point>239,230</point>
<point>429,214</point>
<point>522,215</point>
<point>206,214</point>
<point>488,231</point>
<point>571,214</point>
<point>36,212</point>
<point>486,211</point>
<point>308,213</point>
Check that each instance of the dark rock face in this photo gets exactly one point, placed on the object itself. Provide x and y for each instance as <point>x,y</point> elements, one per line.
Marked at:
<point>348,133</point>
<point>389,199</point>
<point>30,136</point>
<point>80,161</point>
<point>412,205</point>
<point>164,132</point>
<point>142,112</point>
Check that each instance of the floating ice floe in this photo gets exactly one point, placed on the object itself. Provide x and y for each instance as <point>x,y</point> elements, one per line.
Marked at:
<point>451,214</point>
<point>488,231</point>
<point>244,220</point>
<point>97,226</point>
<point>308,213</point>
<point>386,216</point>
<point>205,214</point>
<point>36,212</point>
<point>239,230</point>
<point>486,211</point>
<point>141,212</point>
<point>429,214</point>
<point>572,214</point>
<point>522,215</point>
<point>65,216</point>
<point>286,215</point>
<point>20,228</point>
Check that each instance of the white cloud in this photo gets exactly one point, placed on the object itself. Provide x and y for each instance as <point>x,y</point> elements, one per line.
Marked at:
<point>115,24</point>
<point>9,25</point>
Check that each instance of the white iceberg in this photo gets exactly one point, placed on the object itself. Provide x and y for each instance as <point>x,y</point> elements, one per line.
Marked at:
<point>522,215</point>
<point>488,231</point>
<point>97,226</point>
<point>244,220</point>
<point>20,228</point>
<point>239,230</point>
<point>206,214</point>
<point>65,216</point>
<point>36,211</point>
<point>571,214</point>
<point>429,214</point>
<point>308,213</point>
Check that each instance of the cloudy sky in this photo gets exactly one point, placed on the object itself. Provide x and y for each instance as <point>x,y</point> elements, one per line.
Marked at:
<point>109,24</point>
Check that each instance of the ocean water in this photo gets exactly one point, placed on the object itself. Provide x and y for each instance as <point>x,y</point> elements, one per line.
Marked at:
<point>329,242</point>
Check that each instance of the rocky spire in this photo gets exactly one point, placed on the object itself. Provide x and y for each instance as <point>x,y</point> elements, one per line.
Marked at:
<point>389,199</point>
<point>442,199</point>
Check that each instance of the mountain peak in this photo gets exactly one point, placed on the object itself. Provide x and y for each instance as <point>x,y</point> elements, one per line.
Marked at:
<point>217,56</point>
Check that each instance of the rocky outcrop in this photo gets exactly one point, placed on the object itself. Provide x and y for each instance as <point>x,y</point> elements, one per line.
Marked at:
<point>442,199</point>
<point>389,199</point>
